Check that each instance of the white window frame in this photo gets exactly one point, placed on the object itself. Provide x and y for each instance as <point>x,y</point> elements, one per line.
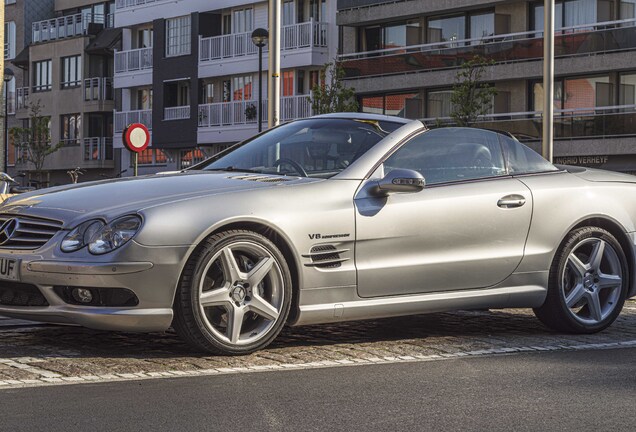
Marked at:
<point>9,40</point>
<point>241,23</point>
<point>74,72</point>
<point>42,76</point>
<point>178,36</point>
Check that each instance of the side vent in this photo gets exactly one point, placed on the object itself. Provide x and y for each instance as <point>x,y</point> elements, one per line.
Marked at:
<point>325,256</point>
<point>262,178</point>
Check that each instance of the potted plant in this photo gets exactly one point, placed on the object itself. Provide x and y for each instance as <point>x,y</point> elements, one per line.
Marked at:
<point>250,112</point>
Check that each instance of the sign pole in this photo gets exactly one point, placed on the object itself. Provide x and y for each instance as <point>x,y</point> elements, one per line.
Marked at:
<point>547,143</point>
<point>136,138</point>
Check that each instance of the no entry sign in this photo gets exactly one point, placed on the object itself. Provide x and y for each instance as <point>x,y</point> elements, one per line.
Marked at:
<point>136,137</point>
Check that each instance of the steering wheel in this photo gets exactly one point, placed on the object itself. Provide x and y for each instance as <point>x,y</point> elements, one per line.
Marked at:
<point>299,169</point>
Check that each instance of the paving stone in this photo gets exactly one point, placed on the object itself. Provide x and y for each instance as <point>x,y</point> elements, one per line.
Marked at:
<point>53,354</point>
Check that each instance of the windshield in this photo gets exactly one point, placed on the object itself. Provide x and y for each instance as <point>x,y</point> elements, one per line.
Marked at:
<point>309,148</point>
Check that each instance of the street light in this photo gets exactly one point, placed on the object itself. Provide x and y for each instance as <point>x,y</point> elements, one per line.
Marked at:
<point>260,37</point>
<point>8,76</point>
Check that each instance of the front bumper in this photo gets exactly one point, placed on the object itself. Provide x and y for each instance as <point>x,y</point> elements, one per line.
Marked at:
<point>151,273</point>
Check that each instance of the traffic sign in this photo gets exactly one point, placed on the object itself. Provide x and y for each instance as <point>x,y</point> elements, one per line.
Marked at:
<point>136,137</point>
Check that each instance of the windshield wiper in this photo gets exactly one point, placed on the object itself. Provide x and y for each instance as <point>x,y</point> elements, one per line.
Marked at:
<point>233,168</point>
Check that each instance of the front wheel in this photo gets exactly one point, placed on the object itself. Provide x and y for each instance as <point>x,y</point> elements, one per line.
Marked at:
<point>588,283</point>
<point>234,295</point>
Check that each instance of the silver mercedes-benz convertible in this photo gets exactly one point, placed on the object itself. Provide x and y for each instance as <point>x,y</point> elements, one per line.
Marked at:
<point>332,218</point>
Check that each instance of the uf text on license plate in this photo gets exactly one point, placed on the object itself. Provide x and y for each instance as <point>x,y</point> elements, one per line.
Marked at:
<point>8,268</point>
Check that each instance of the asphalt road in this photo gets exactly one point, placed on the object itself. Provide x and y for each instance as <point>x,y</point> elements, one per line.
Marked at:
<point>567,390</point>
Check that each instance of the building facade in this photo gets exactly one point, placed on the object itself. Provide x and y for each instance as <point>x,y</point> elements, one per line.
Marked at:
<point>402,58</point>
<point>188,70</point>
<point>63,65</point>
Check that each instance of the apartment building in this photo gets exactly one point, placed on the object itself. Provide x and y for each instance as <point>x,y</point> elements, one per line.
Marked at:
<point>402,58</point>
<point>65,67</point>
<point>18,19</point>
<point>188,70</point>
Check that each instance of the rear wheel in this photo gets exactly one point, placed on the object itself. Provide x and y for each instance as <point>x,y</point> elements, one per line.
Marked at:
<point>588,283</point>
<point>234,295</point>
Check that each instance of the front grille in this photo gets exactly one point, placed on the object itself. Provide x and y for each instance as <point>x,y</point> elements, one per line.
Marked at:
<point>325,256</point>
<point>30,232</point>
<point>20,294</point>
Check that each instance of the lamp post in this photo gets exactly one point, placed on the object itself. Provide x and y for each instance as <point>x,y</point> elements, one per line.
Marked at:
<point>260,37</point>
<point>8,76</point>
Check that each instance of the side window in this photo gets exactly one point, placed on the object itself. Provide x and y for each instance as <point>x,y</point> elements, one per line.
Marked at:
<point>450,154</point>
<point>522,159</point>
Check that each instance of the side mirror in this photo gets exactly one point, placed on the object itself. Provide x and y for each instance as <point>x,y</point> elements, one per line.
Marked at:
<point>400,180</point>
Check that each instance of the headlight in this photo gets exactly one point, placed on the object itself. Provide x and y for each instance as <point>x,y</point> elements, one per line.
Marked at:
<point>81,235</point>
<point>114,235</point>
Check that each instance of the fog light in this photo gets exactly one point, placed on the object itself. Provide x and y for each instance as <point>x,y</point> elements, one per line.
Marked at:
<point>82,295</point>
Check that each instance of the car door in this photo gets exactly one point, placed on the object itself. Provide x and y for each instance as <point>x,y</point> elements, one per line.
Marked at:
<point>466,229</point>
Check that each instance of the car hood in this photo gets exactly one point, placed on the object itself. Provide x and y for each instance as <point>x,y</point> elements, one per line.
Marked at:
<point>112,198</point>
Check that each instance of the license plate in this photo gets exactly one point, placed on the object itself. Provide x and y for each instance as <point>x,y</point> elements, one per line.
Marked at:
<point>9,268</point>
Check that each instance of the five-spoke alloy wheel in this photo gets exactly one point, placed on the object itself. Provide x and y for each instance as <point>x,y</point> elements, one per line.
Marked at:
<point>589,280</point>
<point>235,294</point>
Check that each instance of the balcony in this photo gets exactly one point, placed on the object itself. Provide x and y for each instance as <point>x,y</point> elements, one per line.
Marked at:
<point>177,113</point>
<point>569,124</point>
<point>98,89</point>
<point>22,98</point>
<point>133,67</point>
<point>98,149</point>
<point>64,27</point>
<point>573,41</point>
<point>124,118</point>
<point>236,120</point>
<point>302,44</point>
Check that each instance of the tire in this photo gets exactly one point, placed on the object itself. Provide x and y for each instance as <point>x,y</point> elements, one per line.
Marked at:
<point>234,294</point>
<point>588,283</point>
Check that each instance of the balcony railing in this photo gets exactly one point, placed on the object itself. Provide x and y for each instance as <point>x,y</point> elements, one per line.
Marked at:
<point>65,26</point>
<point>98,89</point>
<point>133,60</point>
<point>569,124</point>
<point>22,97</point>
<point>123,4</point>
<point>176,113</point>
<point>124,118</point>
<point>579,40</point>
<point>295,36</point>
<point>244,112</point>
<point>98,148</point>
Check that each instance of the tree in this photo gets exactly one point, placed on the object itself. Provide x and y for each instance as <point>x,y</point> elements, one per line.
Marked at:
<point>330,94</point>
<point>34,142</point>
<point>471,96</point>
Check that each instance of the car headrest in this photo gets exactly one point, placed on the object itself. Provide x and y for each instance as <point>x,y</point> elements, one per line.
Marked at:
<point>322,141</point>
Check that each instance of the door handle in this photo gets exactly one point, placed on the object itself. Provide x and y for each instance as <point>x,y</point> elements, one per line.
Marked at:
<point>511,201</point>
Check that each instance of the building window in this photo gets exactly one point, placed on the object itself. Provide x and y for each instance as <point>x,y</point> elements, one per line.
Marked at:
<point>628,89</point>
<point>242,20</point>
<point>71,71</point>
<point>438,104</point>
<point>190,157</point>
<point>394,35</point>
<point>288,83</point>
<point>207,93</point>
<point>9,2</point>
<point>288,12</point>
<point>447,29</point>
<point>406,105</point>
<point>42,75</point>
<point>144,99</point>
<point>9,90</point>
<point>242,88</point>
<point>144,38</point>
<point>177,94</point>
<point>577,94</point>
<point>178,36</point>
<point>152,156</point>
<point>628,9</point>
<point>570,13</point>
<point>9,40</point>
<point>71,126</point>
